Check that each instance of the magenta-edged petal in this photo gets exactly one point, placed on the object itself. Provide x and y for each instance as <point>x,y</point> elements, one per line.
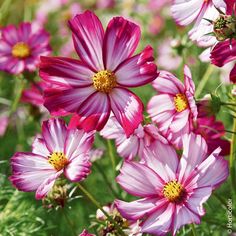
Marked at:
<point>10,34</point>
<point>39,147</point>
<point>65,72</point>
<point>185,12</point>
<point>5,48</point>
<point>127,108</point>
<point>77,142</point>
<point>78,168</point>
<point>23,162</point>
<point>167,83</point>
<point>196,200</point>
<point>162,158</point>
<point>188,81</point>
<point>139,180</point>
<point>223,52</point>
<point>54,133</point>
<point>47,185</point>
<point>39,39</point>
<point>161,104</point>
<point>88,36</point>
<point>137,70</point>
<point>160,221</point>
<point>183,216</point>
<point>180,120</point>
<point>64,102</point>
<point>194,152</point>
<point>232,75</point>
<point>94,112</point>
<point>136,209</point>
<point>120,41</point>
<point>208,174</point>
<point>24,31</point>
<point>15,66</point>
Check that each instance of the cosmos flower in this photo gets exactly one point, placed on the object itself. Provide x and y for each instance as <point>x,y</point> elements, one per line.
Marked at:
<point>59,151</point>
<point>97,84</point>
<point>20,48</point>
<point>197,11</point>
<point>213,132</point>
<point>86,233</point>
<point>133,146</point>
<point>172,190</point>
<point>173,109</point>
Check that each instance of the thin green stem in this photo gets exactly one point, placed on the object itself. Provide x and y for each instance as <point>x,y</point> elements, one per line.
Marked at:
<point>193,230</point>
<point>98,205</point>
<point>204,80</point>
<point>100,170</point>
<point>69,222</point>
<point>232,157</point>
<point>111,155</point>
<point>19,86</point>
<point>228,103</point>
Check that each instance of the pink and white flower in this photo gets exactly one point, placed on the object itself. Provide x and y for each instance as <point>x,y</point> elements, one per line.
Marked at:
<point>97,84</point>
<point>135,144</point>
<point>172,190</point>
<point>59,151</point>
<point>20,48</point>
<point>187,11</point>
<point>86,233</point>
<point>174,108</point>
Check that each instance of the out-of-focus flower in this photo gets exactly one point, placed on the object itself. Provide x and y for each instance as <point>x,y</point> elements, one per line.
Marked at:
<point>133,146</point>
<point>96,85</point>
<point>173,190</point>
<point>156,24</point>
<point>86,233</point>
<point>197,11</point>
<point>96,154</point>
<point>168,58</point>
<point>20,48</point>
<point>4,120</point>
<point>59,150</point>
<point>213,132</point>
<point>174,108</point>
<point>155,5</point>
<point>103,4</point>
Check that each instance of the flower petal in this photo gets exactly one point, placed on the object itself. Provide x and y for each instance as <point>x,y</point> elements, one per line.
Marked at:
<point>137,70</point>
<point>88,36</point>
<point>65,72</point>
<point>139,180</point>
<point>39,147</point>
<point>127,108</point>
<point>54,132</point>
<point>120,41</point>
<point>93,112</point>
<point>64,102</point>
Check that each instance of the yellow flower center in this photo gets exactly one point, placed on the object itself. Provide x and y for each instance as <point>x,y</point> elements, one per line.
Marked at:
<point>20,50</point>
<point>104,81</point>
<point>174,191</point>
<point>181,102</point>
<point>58,160</point>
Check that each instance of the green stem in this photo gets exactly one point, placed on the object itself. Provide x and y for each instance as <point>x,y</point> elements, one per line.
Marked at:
<point>204,80</point>
<point>193,230</point>
<point>69,222</point>
<point>98,205</point>
<point>19,88</point>
<point>228,103</point>
<point>100,170</point>
<point>111,155</point>
<point>232,157</point>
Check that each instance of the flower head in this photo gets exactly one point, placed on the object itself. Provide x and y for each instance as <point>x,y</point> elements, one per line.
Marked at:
<point>20,48</point>
<point>58,151</point>
<point>86,233</point>
<point>173,190</point>
<point>174,108</point>
<point>97,84</point>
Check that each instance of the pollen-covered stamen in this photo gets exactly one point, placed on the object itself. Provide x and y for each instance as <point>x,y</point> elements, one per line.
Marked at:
<point>58,160</point>
<point>21,50</point>
<point>174,192</point>
<point>181,102</point>
<point>104,81</point>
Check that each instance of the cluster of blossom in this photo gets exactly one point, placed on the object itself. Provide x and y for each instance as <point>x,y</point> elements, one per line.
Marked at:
<point>95,90</point>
